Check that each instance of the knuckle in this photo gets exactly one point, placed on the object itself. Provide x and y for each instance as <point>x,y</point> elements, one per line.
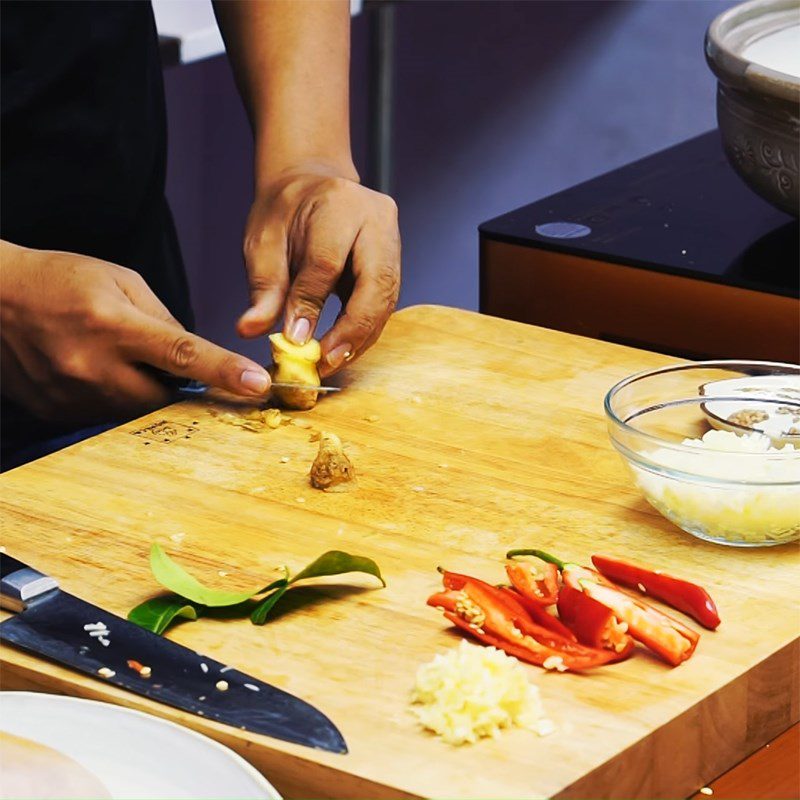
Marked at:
<point>252,244</point>
<point>229,369</point>
<point>364,324</point>
<point>74,365</point>
<point>387,281</point>
<point>263,283</point>
<point>133,277</point>
<point>100,317</point>
<point>326,263</point>
<point>308,306</point>
<point>258,240</point>
<point>337,184</point>
<point>182,352</point>
<point>389,206</point>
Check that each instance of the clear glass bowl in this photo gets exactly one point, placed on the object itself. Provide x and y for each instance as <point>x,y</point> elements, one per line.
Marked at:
<point>740,484</point>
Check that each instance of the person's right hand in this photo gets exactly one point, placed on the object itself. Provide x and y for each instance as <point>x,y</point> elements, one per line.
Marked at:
<point>80,338</point>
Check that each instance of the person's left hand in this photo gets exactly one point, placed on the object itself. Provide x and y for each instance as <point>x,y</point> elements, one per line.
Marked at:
<point>313,232</point>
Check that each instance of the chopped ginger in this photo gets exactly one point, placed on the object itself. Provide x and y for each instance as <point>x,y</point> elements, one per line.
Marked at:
<point>256,419</point>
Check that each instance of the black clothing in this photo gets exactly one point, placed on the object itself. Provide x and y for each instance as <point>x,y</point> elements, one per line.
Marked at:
<point>84,147</point>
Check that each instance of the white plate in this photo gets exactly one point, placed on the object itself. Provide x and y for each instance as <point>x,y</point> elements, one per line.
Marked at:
<point>133,754</point>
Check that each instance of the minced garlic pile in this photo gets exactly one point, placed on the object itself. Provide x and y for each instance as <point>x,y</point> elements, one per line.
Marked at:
<point>473,691</point>
<point>742,506</point>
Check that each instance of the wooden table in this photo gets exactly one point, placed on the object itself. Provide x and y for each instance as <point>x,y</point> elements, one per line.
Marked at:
<point>470,435</point>
<point>771,773</point>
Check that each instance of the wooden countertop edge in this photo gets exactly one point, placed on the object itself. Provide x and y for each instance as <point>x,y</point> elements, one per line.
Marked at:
<point>723,712</point>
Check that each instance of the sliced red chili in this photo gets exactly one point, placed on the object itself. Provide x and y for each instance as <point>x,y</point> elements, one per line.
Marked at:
<point>676,592</point>
<point>533,652</point>
<point>508,606</point>
<point>537,581</point>
<point>489,615</point>
<point>539,614</point>
<point>664,635</point>
<point>593,623</point>
<point>495,641</point>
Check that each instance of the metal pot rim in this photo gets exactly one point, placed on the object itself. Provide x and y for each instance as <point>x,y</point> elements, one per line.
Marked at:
<point>734,29</point>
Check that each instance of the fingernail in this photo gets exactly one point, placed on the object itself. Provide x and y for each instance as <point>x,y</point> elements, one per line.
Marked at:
<point>340,354</point>
<point>255,382</point>
<point>300,331</point>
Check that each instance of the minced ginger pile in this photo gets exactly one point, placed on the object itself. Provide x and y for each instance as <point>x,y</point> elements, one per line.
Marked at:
<point>473,692</point>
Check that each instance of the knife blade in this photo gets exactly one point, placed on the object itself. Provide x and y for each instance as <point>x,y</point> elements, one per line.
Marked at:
<point>59,626</point>
<point>279,385</point>
<point>193,388</point>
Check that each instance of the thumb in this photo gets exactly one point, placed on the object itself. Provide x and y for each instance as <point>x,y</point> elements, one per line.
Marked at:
<point>267,265</point>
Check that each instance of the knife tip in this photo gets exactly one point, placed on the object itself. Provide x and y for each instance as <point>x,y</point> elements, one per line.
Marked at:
<point>335,744</point>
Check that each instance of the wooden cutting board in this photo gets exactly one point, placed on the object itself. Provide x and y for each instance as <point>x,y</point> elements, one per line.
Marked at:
<point>470,435</point>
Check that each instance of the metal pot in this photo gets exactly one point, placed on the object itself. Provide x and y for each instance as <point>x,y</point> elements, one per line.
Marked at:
<point>758,108</point>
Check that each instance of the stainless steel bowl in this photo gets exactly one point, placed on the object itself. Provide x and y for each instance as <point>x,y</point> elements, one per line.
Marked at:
<point>758,109</point>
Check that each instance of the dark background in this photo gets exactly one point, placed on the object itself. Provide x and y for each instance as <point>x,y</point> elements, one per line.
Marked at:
<point>497,104</point>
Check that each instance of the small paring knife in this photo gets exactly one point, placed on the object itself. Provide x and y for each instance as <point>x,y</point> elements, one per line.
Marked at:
<point>56,625</point>
<point>307,388</point>
<point>194,388</point>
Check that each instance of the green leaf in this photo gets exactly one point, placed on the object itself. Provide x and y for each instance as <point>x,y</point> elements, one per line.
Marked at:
<point>261,611</point>
<point>175,578</point>
<point>336,562</point>
<point>158,613</point>
<point>276,584</point>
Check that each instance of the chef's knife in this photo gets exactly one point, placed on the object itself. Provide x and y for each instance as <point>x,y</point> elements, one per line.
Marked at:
<point>61,627</point>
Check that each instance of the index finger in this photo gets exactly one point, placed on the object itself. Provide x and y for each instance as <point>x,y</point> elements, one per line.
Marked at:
<point>178,352</point>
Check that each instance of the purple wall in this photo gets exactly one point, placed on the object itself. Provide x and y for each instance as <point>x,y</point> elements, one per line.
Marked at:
<point>498,104</point>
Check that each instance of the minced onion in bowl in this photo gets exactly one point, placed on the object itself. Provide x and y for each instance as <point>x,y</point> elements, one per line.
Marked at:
<point>730,482</point>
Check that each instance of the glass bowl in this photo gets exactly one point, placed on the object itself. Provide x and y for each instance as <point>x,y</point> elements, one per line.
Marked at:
<point>715,447</point>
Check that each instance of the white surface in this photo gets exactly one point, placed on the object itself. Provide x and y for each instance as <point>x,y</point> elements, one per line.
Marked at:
<point>135,755</point>
<point>779,51</point>
<point>193,23</point>
<point>783,413</point>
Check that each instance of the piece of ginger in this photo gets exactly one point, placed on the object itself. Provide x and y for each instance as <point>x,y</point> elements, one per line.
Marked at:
<point>332,469</point>
<point>295,363</point>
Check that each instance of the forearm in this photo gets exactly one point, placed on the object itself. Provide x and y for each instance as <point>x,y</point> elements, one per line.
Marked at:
<point>291,61</point>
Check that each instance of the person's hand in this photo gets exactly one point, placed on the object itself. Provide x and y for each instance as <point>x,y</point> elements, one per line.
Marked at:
<point>312,233</point>
<point>80,338</point>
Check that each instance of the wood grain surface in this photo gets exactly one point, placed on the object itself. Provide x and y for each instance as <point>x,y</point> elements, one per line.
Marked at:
<point>489,435</point>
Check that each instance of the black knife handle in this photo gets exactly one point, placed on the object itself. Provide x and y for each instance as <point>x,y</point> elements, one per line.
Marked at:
<point>9,565</point>
<point>20,584</point>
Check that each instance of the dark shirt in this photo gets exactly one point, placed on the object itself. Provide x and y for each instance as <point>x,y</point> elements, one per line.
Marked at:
<point>84,148</point>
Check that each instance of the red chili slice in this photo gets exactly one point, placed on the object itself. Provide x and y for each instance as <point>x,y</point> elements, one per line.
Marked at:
<point>593,623</point>
<point>676,592</point>
<point>538,582</point>
<point>539,614</point>
<point>489,615</point>
<point>664,635</point>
